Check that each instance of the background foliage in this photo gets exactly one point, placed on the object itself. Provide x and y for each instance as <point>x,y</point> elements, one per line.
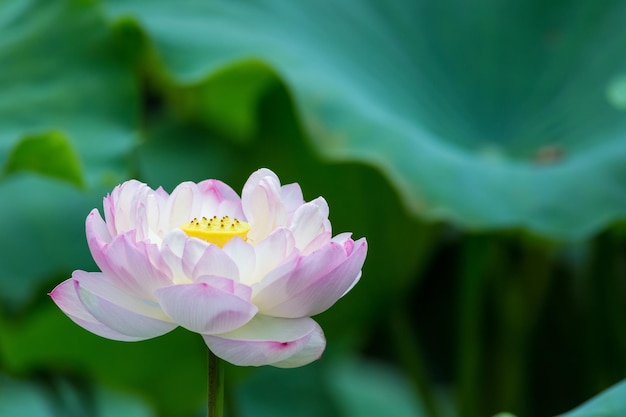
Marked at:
<point>479,146</point>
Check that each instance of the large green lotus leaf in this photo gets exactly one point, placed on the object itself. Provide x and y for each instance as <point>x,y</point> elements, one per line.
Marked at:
<point>609,403</point>
<point>49,154</point>
<point>58,397</point>
<point>22,399</point>
<point>175,152</point>
<point>43,234</point>
<point>370,389</point>
<point>489,114</point>
<point>61,72</point>
<point>338,386</point>
<point>274,392</point>
<point>68,109</point>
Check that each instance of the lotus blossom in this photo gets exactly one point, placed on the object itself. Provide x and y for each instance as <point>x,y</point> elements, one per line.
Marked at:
<point>246,273</point>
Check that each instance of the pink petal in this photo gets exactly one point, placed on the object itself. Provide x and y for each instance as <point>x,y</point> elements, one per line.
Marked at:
<point>218,189</point>
<point>193,251</point>
<point>135,266</point>
<point>183,205</point>
<point>118,310</point>
<point>262,204</point>
<point>291,196</point>
<point>203,308</point>
<point>220,200</point>
<point>173,250</point>
<point>257,177</point>
<point>98,237</point>
<point>315,284</point>
<point>309,221</point>
<point>190,258</point>
<point>214,261</point>
<point>148,223</point>
<point>240,290</point>
<point>118,206</point>
<point>65,295</point>
<point>230,208</point>
<point>270,253</point>
<point>285,343</point>
<point>282,282</point>
<point>243,254</point>
<point>96,227</point>
<point>345,239</point>
<point>317,243</point>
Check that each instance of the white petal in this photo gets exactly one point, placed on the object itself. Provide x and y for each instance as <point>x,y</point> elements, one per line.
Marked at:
<point>203,308</point>
<point>270,253</point>
<point>136,266</point>
<point>309,221</point>
<point>172,249</point>
<point>149,225</point>
<point>240,290</point>
<point>273,341</point>
<point>192,252</point>
<point>243,254</point>
<point>98,237</point>
<point>291,196</point>
<point>215,262</point>
<point>262,204</point>
<point>218,199</point>
<point>317,243</point>
<point>118,206</point>
<point>183,205</point>
<point>96,227</point>
<point>191,258</point>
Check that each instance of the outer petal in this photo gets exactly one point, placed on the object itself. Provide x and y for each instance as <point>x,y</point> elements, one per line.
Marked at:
<point>315,284</point>
<point>65,295</point>
<point>98,237</point>
<point>118,310</point>
<point>286,343</point>
<point>205,308</point>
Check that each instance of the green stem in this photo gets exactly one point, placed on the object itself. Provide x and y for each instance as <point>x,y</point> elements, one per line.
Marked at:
<point>476,264</point>
<point>521,298</point>
<point>409,352</point>
<point>216,386</point>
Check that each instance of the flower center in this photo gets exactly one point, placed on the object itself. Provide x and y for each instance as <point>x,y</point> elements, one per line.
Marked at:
<point>216,230</point>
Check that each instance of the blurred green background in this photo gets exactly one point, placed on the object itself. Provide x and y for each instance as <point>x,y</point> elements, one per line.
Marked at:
<point>479,146</point>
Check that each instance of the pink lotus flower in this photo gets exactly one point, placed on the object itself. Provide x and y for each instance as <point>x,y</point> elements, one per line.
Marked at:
<point>246,273</point>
